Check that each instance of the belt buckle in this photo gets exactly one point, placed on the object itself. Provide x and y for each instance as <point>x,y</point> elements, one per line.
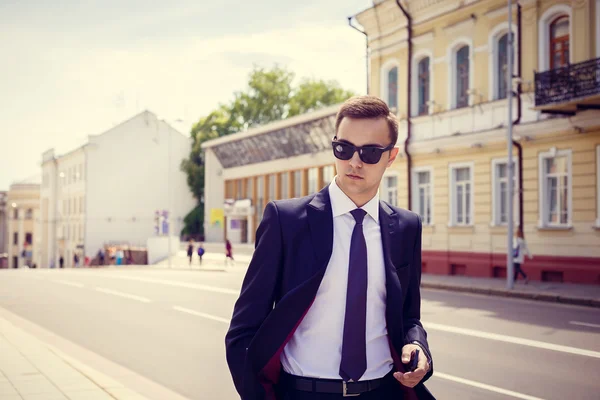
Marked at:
<point>345,390</point>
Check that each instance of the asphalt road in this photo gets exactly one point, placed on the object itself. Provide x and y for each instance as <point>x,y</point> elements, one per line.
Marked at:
<point>169,326</point>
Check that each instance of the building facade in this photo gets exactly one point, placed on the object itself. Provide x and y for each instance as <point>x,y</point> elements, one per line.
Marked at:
<point>446,79</point>
<point>23,239</point>
<point>3,227</point>
<point>108,190</point>
<point>453,112</point>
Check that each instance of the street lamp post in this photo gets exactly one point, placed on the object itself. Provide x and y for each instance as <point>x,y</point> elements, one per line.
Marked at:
<point>64,219</point>
<point>510,168</point>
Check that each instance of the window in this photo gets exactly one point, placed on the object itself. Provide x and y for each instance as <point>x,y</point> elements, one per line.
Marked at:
<point>559,42</point>
<point>598,177</point>
<point>249,188</point>
<point>422,194</point>
<point>260,192</point>
<point>392,88</point>
<point>554,35</point>
<point>423,88</point>
<point>555,196</point>
<point>15,237</point>
<point>272,179</point>
<point>297,183</point>
<point>285,185</point>
<point>313,176</point>
<point>462,77</point>
<point>502,67</point>
<point>239,193</point>
<point>500,190</point>
<point>461,189</point>
<point>28,238</point>
<point>390,189</point>
<point>328,175</point>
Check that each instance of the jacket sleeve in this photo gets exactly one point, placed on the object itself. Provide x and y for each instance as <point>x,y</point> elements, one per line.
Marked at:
<point>413,329</point>
<point>256,301</point>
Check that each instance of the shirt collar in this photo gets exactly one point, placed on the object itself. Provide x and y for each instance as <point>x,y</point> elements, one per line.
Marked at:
<point>341,203</point>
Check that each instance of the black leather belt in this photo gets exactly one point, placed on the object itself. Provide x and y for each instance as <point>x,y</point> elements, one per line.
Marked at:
<point>346,389</point>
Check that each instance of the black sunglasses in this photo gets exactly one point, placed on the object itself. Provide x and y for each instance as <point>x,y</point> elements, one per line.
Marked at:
<point>368,154</point>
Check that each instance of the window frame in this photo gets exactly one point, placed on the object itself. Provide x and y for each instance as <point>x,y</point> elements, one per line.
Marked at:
<point>493,45</point>
<point>544,23</point>
<point>417,58</point>
<point>452,71</point>
<point>384,189</point>
<point>384,84</point>
<point>598,186</point>
<point>562,40</point>
<point>496,195</point>
<point>415,191</point>
<point>451,183</point>
<point>542,179</point>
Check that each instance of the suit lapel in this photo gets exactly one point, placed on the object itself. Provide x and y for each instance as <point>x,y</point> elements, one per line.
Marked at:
<point>320,221</point>
<point>390,227</point>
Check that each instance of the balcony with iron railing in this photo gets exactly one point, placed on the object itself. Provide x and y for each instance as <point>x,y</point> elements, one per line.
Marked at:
<point>568,89</point>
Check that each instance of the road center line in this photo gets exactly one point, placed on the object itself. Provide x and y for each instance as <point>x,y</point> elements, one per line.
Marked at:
<point>484,386</point>
<point>512,339</point>
<point>584,324</point>
<point>203,315</point>
<point>125,295</point>
<point>69,283</point>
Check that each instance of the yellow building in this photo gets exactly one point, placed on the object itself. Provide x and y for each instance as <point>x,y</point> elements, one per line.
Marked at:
<point>22,206</point>
<point>441,64</point>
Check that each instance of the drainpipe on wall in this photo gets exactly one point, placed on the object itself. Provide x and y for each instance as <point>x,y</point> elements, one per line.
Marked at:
<point>408,105</point>
<point>518,145</point>
<point>366,50</point>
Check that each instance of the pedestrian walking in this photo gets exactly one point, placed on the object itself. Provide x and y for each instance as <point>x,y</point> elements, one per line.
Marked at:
<point>190,250</point>
<point>75,260</point>
<point>100,256</point>
<point>200,252</point>
<point>300,327</point>
<point>61,262</point>
<point>519,250</point>
<point>229,253</point>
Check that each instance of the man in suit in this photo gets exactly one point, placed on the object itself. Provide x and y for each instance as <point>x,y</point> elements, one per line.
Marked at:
<point>331,299</point>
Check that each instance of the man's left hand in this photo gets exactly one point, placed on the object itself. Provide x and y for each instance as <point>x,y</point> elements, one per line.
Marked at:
<point>411,379</point>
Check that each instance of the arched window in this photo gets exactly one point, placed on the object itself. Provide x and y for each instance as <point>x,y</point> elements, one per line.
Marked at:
<point>559,42</point>
<point>462,77</point>
<point>423,88</point>
<point>392,88</point>
<point>502,66</point>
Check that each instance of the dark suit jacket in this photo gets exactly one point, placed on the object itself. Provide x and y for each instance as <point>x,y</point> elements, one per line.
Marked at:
<point>293,247</point>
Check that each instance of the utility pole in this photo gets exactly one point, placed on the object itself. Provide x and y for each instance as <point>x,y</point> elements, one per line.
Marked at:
<point>509,144</point>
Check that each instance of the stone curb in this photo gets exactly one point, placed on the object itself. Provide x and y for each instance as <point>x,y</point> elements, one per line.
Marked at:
<point>546,297</point>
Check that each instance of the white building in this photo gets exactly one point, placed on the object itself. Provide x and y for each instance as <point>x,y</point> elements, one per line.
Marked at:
<point>108,190</point>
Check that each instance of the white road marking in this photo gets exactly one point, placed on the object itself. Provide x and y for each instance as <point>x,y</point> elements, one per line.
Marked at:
<point>484,386</point>
<point>69,283</point>
<point>174,283</point>
<point>125,295</point>
<point>203,315</point>
<point>584,324</point>
<point>512,339</point>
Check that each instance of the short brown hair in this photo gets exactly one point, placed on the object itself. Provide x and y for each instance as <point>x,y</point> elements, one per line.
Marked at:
<point>368,107</point>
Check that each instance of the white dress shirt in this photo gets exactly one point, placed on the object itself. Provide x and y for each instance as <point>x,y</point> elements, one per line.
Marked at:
<point>315,349</point>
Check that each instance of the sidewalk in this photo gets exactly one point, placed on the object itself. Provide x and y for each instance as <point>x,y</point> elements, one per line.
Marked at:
<point>31,370</point>
<point>569,293</point>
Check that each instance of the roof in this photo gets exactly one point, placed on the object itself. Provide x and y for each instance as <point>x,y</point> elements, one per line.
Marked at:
<point>304,134</point>
<point>273,126</point>
<point>32,180</point>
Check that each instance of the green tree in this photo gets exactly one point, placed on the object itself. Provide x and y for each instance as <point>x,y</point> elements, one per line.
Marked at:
<point>270,96</point>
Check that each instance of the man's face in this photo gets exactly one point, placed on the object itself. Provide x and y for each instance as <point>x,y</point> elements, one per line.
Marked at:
<point>356,178</point>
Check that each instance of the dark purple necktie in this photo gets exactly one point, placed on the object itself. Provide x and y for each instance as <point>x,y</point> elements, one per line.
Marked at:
<point>354,345</point>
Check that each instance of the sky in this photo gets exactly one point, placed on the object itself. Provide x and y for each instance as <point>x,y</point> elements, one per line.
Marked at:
<point>76,68</point>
